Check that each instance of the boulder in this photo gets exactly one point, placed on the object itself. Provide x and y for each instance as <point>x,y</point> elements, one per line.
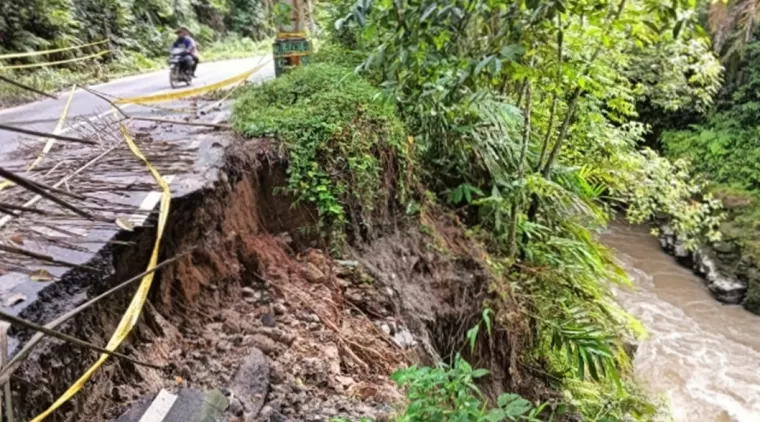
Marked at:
<point>717,264</point>
<point>723,287</point>
<point>251,382</point>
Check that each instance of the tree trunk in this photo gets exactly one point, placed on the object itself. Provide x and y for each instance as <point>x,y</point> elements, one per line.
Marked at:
<point>312,21</point>
<point>546,172</point>
<point>517,202</point>
<point>555,96</point>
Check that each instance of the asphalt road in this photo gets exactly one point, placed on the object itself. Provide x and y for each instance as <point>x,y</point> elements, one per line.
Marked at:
<point>43,115</point>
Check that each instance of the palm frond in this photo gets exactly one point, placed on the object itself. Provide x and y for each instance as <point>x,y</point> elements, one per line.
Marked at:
<point>732,24</point>
<point>589,348</point>
<point>497,137</point>
<point>719,23</point>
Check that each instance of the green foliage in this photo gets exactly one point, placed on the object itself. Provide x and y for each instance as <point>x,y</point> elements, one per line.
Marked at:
<point>138,34</point>
<point>723,147</point>
<point>336,54</point>
<point>472,333</point>
<point>437,83</point>
<point>605,402</point>
<point>451,394</point>
<point>589,348</point>
<point>677,74</point>
<point>347,152</point>
<point>234,46</point>
<point>658,185</point>
<point>138,25</point>
<point>524,116</point>
<point>128,63</point>
<point>249,18</point>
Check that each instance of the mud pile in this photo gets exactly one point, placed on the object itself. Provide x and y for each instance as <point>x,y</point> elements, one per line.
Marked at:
<point>256,310</point>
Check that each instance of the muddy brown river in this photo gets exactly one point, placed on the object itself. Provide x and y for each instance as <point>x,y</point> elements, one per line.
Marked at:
<point>703,356</point>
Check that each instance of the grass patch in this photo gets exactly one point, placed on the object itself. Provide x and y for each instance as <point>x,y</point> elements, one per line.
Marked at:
<point>235,47</point>
<point>347,150</point>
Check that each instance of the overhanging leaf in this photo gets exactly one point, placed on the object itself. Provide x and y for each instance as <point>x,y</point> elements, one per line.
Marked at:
<point>14,299</point>
<point>41,275</point>
<point>125,224</point>
<point>17,239</point>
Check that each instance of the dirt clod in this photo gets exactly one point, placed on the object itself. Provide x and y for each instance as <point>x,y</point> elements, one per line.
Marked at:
<point>280,309</point>
<point>268,320</point>
<point>265,344</point>
<point>231,326</point>
<point>313,274</point>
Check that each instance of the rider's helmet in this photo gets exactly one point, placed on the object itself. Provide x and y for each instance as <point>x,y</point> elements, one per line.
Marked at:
<point>182,30</point>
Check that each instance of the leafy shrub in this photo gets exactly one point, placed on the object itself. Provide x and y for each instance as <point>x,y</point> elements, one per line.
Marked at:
<point>722,149</point>
<point>724,145</point>
<point>449,394</point>
<point>347,151</point>
<point>336,54</point>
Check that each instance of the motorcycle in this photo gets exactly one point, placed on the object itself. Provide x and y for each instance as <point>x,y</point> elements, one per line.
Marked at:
<point>180,67</point>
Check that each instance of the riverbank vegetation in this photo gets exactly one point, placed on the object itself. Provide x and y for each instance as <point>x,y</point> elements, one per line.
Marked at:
<point>136,35</point>
<point>521,121</point>
<point>722,142</point>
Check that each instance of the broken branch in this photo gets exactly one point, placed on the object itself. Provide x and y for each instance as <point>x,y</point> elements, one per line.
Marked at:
<point>46,135</point>
<point>180,122</point>
<point>28,88</point>
<point>41,257</point>
<point>41,190</point>
<point>104,98</point>
<point>73,340</point>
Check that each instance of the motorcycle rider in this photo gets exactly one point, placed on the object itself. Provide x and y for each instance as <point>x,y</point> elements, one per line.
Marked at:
<point>184,40</point>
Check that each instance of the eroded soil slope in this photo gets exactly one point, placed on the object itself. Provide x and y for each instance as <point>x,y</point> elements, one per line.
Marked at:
<point>257,310</point>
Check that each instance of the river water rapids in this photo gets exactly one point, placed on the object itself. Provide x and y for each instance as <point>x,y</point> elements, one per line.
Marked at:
<point>702,355</point>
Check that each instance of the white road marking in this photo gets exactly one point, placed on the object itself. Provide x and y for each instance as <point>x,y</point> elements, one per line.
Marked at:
<point>160,407</point>
<point>149,203</point>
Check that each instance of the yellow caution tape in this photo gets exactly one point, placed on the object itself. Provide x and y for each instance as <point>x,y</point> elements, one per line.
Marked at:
<point>50,141</point>
<point>189,92</point>
<point>295,54</point>
<point>291,35</point>
<point>43,52</point>
<point>78,59</point>
<point>129,320</point>
<point>169,109</point>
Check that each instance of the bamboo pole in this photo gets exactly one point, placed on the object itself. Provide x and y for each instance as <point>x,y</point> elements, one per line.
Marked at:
<point>28,88</point>
<point>4,355</point>
<point>42,190</point>
<point>46,135</point>
<point>73,340</point>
